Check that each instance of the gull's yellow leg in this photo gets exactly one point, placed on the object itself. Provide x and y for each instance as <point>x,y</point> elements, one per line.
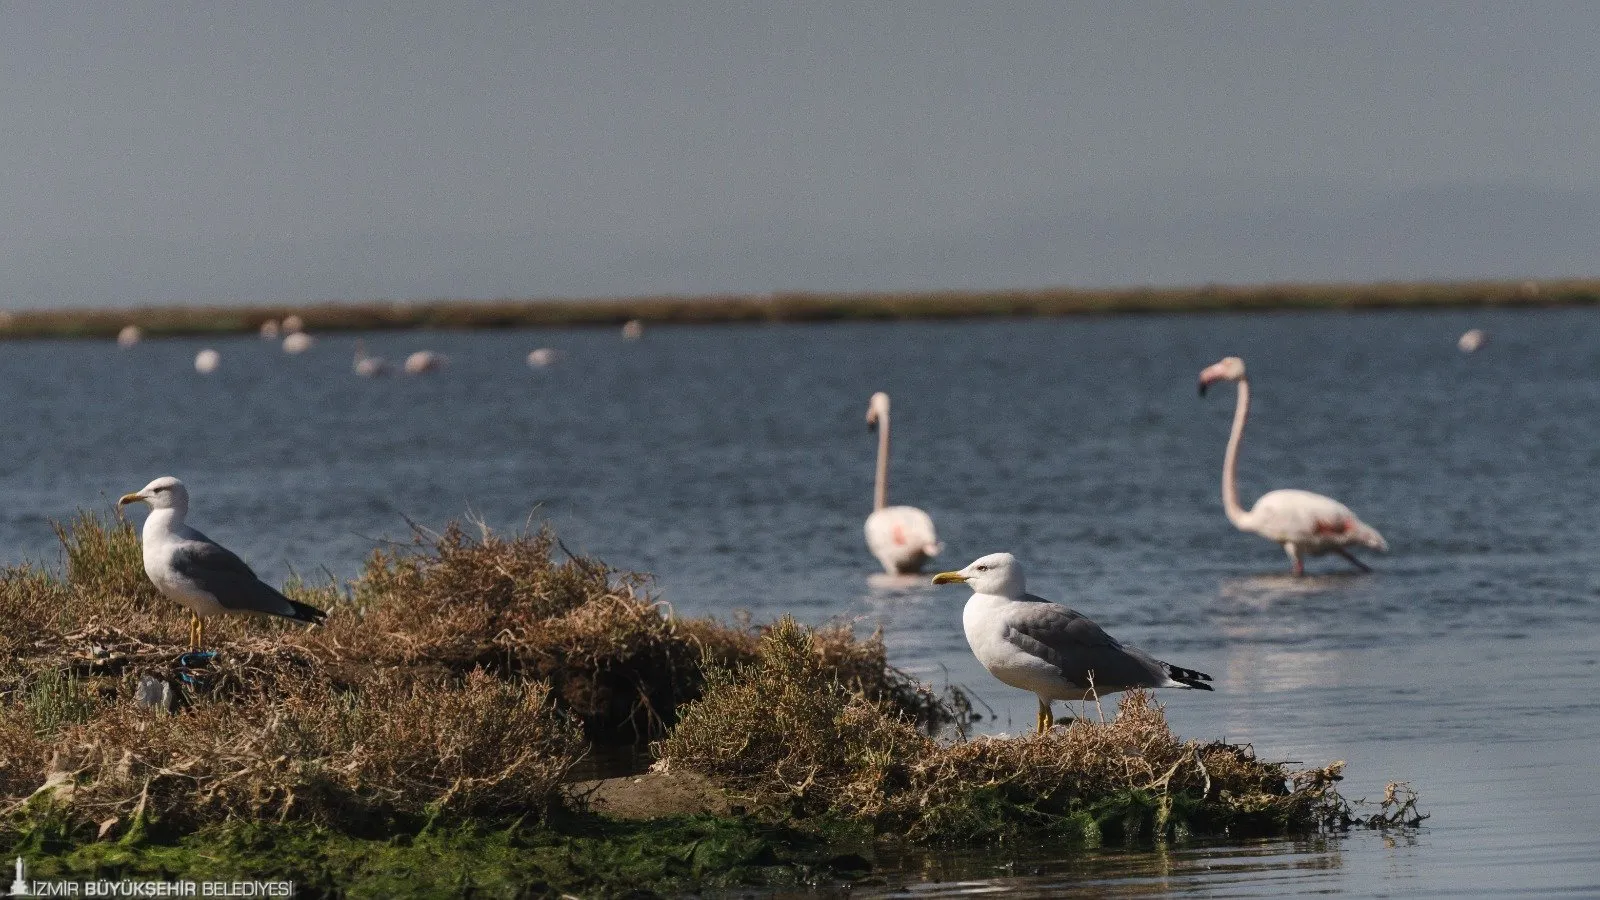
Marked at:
<point>194,632</point>
<point>201,625</point>
<point>1044,717</point>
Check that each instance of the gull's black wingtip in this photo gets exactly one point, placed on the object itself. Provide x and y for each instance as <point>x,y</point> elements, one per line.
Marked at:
<point>1190,678</point>
<point>307,614</point>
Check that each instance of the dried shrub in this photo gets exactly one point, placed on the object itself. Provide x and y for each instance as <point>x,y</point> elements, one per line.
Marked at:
<point>862,666</point>
<point>449,680</point>
<point>484,747</point>
<point>612,654</point>
<point>445,605</point>
<point>23,755</point>
<point>786,729</point>
<point>31,604</point>
<point>104,583</point>
<point>784,732</point>
<point>504,603</point>
<point>458,748</point>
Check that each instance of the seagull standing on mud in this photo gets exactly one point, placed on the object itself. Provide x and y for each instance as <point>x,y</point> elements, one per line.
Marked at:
<point>199,574</point>
<point>1057,653</point>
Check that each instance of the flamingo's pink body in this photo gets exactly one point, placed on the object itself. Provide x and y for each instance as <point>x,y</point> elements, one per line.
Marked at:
<point>1302,523</point>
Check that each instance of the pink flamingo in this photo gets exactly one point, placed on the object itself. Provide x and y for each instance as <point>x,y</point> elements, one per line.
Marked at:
<point>901,537</point>
<point>1303,523</point>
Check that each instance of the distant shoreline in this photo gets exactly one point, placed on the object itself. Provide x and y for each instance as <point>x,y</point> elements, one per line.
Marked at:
<point>798,307</point>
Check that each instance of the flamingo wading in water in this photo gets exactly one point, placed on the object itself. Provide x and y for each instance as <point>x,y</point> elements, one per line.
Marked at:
<point>901,537</point>
<point>1303,523</point>
<point>369,366</point>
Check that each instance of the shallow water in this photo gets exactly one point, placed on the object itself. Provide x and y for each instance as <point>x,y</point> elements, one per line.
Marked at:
<point>734,463</point>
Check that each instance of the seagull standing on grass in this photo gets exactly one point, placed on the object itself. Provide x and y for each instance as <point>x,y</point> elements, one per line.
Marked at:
<point>1057,653</point>
<point>199,574</point>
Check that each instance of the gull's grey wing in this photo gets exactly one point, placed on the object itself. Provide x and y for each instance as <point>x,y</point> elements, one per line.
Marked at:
<point>217,571</point>
<point>211,554</point>
<point>1076,646</point>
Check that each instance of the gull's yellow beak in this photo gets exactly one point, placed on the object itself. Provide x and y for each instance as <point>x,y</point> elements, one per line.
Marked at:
<point>949,578</point>
<point>130,498</point>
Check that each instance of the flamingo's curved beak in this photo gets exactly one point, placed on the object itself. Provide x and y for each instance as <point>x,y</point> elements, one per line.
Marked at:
<point>1203,384</point>
<point>949,578</point>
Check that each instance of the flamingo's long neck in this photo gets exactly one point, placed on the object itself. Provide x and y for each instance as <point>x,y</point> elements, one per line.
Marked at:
<point>1230,462</point>
<point>880,493</point>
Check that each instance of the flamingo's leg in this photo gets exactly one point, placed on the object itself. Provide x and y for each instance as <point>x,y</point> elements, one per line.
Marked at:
<point>1299,567</point>
<point>1352,557</point>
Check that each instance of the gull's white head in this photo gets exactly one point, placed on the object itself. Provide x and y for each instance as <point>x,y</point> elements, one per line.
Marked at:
<point>877,408</point>
<point>1229,368</point>
<point>165,492</point>
<point>997,573</point>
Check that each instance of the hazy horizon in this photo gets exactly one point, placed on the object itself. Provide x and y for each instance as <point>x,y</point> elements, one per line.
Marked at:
<point>189,153</point>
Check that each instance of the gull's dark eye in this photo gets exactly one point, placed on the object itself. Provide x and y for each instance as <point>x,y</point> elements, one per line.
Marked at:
<point>983,568</point>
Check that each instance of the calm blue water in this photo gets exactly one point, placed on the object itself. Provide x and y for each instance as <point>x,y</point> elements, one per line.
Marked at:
<point>734,463</point>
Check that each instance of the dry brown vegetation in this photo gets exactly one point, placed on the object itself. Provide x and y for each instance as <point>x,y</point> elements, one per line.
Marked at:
<point>783,735</point>
<point>463,676</point>
<point>466,747</point>
<point>613,656</point>
<point>802,307</point>
<point>458,676</point>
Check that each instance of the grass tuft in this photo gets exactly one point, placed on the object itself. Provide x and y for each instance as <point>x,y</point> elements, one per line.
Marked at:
<point>105,561</point>
<point>783,734</point>
<point>614,657</point>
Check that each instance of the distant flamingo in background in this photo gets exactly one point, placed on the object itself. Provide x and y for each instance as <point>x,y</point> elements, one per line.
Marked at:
<point>1303,523</point>
<point>424,361</point>
<point>369,366</point>
<point>901,537</point>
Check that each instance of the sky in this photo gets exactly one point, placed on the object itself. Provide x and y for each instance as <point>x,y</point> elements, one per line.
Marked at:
<point>295,152</point>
